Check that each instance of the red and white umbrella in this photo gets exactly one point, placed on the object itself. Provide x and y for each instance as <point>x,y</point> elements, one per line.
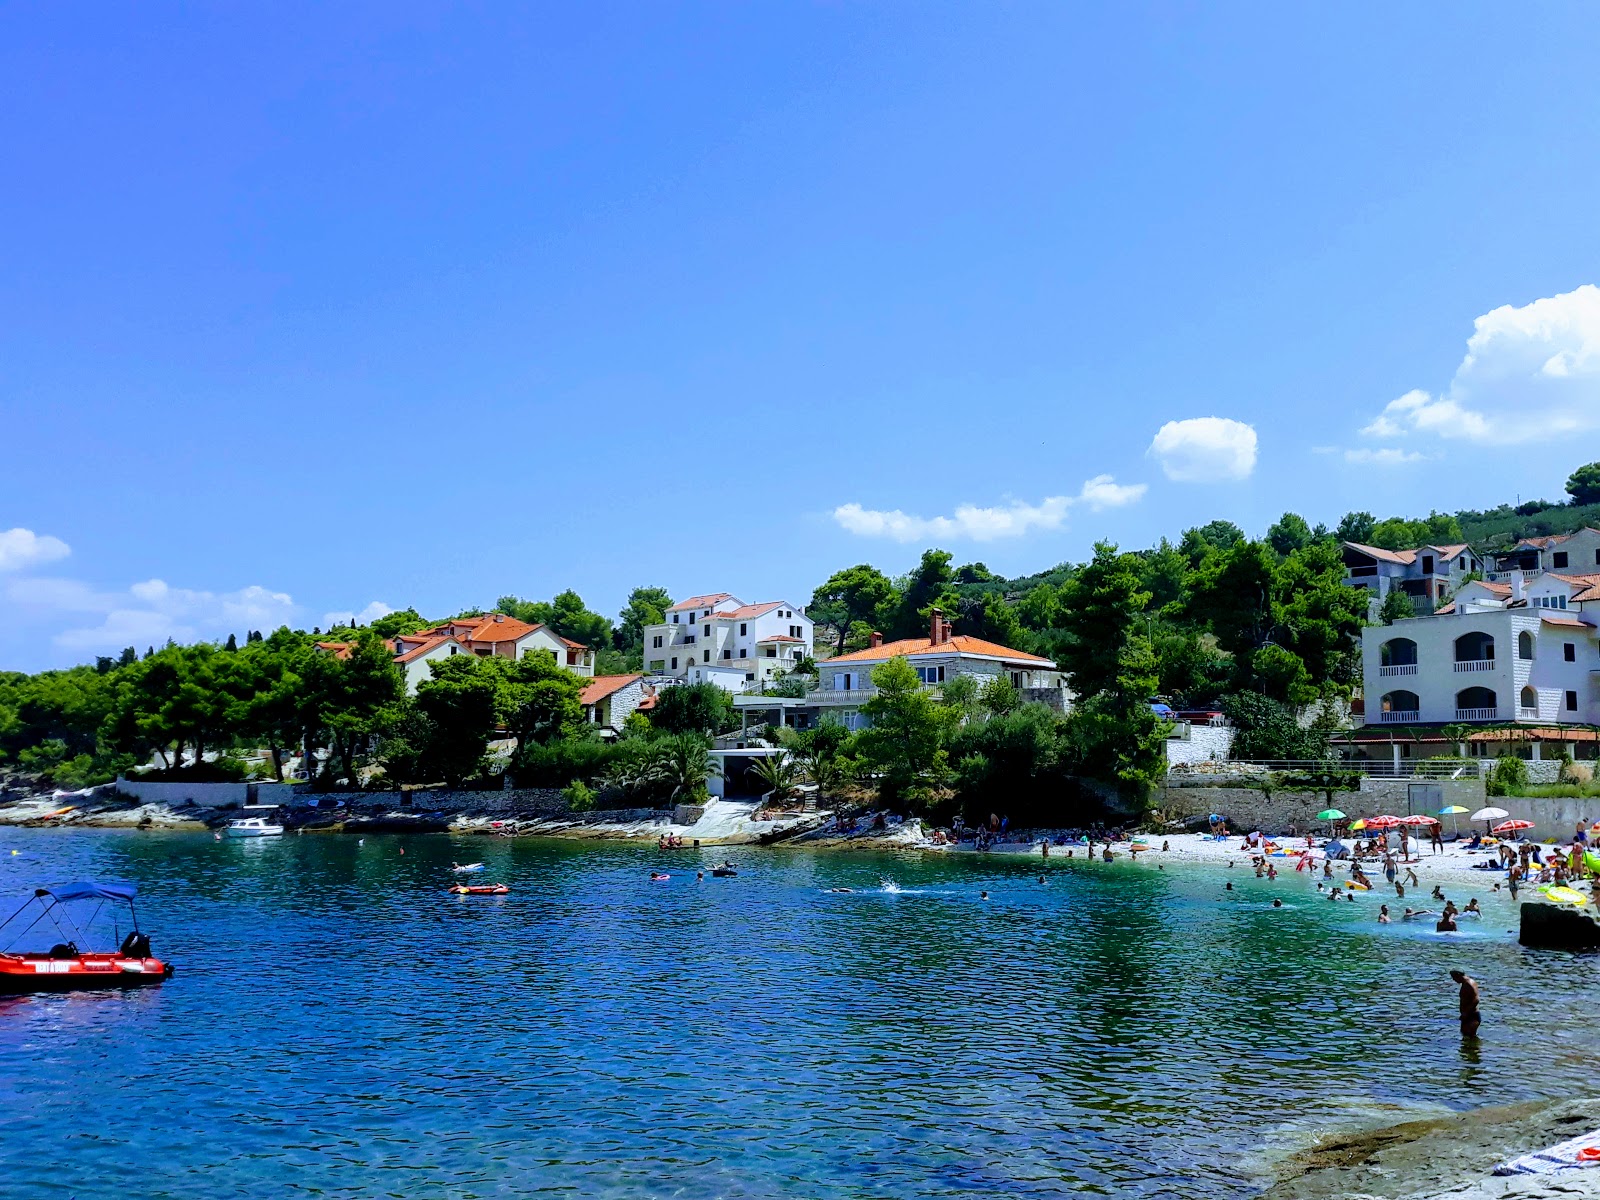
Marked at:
<point>1382,822</point>
<point>1419,819</point>
<point>1512,826</point>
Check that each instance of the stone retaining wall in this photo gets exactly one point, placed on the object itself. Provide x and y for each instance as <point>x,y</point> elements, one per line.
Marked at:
<point>519,802</point>
<point>207,795</point>
<point>1205,743</point>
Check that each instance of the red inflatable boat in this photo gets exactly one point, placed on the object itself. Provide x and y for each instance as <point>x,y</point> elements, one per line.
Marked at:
<point>66,968</point>
<point>481,889</point>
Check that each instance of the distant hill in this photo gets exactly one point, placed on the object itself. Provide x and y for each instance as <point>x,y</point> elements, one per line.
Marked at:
<point>1505,525</point>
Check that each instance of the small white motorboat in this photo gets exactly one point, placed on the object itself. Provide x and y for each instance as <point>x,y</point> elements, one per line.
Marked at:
<point>253,827</point>
<point>466,868</point>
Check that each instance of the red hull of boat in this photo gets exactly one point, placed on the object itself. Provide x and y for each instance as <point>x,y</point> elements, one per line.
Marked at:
<point>22,973</point>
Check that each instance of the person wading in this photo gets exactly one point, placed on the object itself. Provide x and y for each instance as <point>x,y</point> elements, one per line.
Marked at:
<point>1471,1018</point>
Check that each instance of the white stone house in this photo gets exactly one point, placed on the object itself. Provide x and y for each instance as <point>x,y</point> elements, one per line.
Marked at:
<point>845,681</point>
<point>1574,553</point>
<point>1501,665</point>
<point>609,700</point>
<point>1427,574</point>
<point>493,634</point>
<point>717,638</point>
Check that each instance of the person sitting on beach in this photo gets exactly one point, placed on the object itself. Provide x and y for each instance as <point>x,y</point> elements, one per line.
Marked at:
<point>1447,923</point>
<point>1165,846</point>
<point>1383,914</point>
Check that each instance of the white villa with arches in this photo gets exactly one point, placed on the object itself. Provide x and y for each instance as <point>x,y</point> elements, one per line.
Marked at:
<point>1493,662</point>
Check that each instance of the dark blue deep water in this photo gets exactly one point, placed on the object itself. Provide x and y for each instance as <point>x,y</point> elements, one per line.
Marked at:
<point>339,1027</point>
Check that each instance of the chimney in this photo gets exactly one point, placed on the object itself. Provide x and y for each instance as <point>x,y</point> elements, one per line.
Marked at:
<point>876,640</point>
<point>498,617</point>
<point>1517,594</point>
<point>938,628</point>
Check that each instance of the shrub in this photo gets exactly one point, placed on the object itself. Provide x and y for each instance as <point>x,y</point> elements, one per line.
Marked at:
<point>563,761</point>
<point>1575,772</point>
<point>1509,777</point>
<point>579,796</point>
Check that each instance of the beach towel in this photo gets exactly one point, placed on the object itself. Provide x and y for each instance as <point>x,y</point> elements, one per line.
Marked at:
<point>1563,1156</point>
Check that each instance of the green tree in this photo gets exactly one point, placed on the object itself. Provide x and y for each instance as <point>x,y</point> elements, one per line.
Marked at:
<point>536,699</point>
<point>1289,533</point>
<point>1164,573</point>
<point>1583,485</point>
<point>960,693</point>
<point>931,585</point>
<point>646,606</point>
<point>824,754</point>
<point>686,763</point>
<point>390,625</point>
<point>860,593</point>
<point>904,742</point>
<point>693,708</point>
<point>460,703</point>
<point>1101,611</point>
<point>1356,527</point>
<point>566,615</point>
<point>997,697</point>
<point>1397,606</point>
<point>1198,544</point>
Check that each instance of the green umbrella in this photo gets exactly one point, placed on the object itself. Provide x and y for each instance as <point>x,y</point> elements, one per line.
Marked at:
<point>1333,814</point>
<point>1450,810</point>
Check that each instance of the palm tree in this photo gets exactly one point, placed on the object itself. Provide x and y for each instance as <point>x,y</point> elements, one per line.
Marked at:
<point>778,773</point>
<point>686,762</point>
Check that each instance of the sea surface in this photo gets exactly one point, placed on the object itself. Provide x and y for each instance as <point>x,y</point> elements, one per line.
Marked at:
<point>340,1027</point>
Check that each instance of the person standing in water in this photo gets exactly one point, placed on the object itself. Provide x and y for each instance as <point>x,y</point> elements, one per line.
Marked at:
<point>1471,1018</point>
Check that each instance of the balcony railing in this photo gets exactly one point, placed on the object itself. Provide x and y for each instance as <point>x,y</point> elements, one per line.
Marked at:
<point>1398,669</point>
<point>1477,714</point>
<point>1399,717</point>
<point>1528,714</point>
<point>1475,664</point>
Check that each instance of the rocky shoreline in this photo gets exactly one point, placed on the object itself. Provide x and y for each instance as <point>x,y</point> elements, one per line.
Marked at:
<point>1444,1158</point>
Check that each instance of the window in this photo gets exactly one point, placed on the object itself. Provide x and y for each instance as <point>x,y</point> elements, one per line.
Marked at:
<point>931,674</point>
<point>674,618</point>
<point>841,681</point>
<point>705,656</point>
<point>453,649</point>
<point>727,654</point>
<point>772,652</point>
<point>1572,701</point>
<point>1016,679</point>
<point>705,630</point>
<point>1525,645</point>
<point>1427,564</point>
<point>656,642</point>
<point>744,654</point>
<point>1559,559</point>
<point>749,676</point>
<point>1462,562</point>
<point>1597,558</point>
<point>796,632</point>
<point>1569,652</point>
<point>674,664</point>
<point>743,629</point>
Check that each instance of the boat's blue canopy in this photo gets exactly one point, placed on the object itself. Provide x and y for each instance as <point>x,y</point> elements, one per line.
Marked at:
<point>84,890</point>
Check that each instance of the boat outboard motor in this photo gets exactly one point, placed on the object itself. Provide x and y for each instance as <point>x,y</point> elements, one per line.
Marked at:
<point>64,950</point>
<point>135,945</point>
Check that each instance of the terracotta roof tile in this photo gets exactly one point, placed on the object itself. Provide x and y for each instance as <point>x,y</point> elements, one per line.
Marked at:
<point>602,686</point>
<point>959,644</point>
<point>707,601</point>
<point>423,647</point>
<point>340,650</point>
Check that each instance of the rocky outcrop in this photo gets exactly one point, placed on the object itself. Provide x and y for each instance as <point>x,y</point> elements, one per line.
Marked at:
<point>1558,926</point>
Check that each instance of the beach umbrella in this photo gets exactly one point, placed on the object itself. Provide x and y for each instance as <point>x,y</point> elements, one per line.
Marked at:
<point>1419,819</point>
<point>1330,814</point>
<point>1512,826</point>
<point>1489,814</point>
<point>1357,826</point>
<point>1383,822</point>
<point>1451,811</point>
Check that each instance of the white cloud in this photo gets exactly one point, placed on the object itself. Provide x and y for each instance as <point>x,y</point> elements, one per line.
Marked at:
<point>1205,450</point>
<point>365,617</point>
<point>24,548</point>
<point>1386,456</point>
<point>1104,492</point>
<point>986,524</point>
<point>148,612</point>
<point>1529,374</point>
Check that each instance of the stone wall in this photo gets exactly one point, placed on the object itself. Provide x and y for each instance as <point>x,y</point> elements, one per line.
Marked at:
<point>207,795</point>
<point>1205,743</point>
<point>519,802</point>
<point>1250,808</point>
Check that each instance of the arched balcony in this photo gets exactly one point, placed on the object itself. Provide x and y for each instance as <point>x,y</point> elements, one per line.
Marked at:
<point>1525,646</point>
<point>1474,652</point>
<point>1477,704</point>
<point>1399,708</point>
<point>1397,656</point>
<point>1528,704</point>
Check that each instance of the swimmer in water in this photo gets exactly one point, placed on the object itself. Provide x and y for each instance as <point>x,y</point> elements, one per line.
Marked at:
<point>1228,887</point>
<point>840,890</point>
<point>657,876</point>
<point>1041,880</point>
<point>1383,914</point>
<point>983,895</point>
<point>699,877</point>
<point>1447,923</point>
<point>1277,904</point>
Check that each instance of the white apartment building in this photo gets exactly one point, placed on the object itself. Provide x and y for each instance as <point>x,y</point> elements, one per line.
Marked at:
<point>1427,574</point>
<point>718,638</point>
<point>1504,663</point>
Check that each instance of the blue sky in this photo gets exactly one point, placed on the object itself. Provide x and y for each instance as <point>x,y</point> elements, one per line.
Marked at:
<point>308,311</point>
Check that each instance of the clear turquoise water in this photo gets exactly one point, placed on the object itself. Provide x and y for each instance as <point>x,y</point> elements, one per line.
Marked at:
<point>341,1028</point>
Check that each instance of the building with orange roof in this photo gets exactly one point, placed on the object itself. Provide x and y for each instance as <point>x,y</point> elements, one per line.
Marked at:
<point>339,650</point>
<point>483,636</point>
<point>718,638</point>
<point>609,700</point>
<point>1427,574</point>
<point>845,681</point>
